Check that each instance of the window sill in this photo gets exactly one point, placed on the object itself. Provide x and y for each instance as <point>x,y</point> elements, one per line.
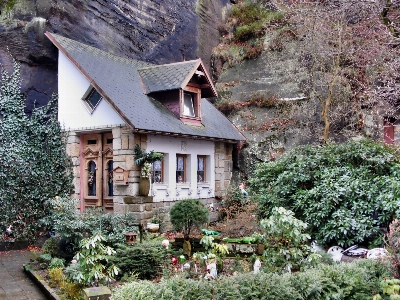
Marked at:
<point>183,185</point>
<point>160,185</point>
<point>204,184</point>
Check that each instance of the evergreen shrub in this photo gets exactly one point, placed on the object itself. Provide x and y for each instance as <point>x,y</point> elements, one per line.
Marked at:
<point>356,280</point>
<point>34,165</point>
<point>144,260</point>
<point>187,214</point>
<point>51,246</point>
<point>346,193</point>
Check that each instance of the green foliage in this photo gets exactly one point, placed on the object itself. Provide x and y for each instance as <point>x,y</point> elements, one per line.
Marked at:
<point>7,5</point>
<point>285,241</point>
<point>392,243</point>
<point>344,192</point>
<point>34,166</point>
<point>51,247</point>
<point>90,259</point>
<point>390,287</point>
<point>144,260</point>
<point>357,280</point>
<point>56,263</point>
<point>142,157</point>
<point>72,225</point>
<point>252,19</point>
<point>188,213</point>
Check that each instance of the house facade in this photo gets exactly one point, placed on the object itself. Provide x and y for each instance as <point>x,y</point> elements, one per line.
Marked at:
<point>109,104</point>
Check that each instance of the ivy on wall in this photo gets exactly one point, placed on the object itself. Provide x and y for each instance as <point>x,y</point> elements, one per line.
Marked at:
<point>34,165</point>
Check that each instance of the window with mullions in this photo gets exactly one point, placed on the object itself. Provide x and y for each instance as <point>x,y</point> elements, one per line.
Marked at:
<point>201,168</point>
<point>91,181</point>
<point>91,99</point>
<point>180,168</point>
<point>157,172</point>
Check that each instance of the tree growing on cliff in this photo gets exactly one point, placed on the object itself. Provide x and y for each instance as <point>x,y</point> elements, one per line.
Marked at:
<point>34,166</point>
<point>351,59</point>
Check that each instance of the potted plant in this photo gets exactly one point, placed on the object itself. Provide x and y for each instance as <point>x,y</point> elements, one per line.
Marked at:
<point>145,159</point>
<point>154,225</point>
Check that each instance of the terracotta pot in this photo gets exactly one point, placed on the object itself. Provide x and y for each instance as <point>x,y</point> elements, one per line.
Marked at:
<point>152,227</point>
<point>144,186</point>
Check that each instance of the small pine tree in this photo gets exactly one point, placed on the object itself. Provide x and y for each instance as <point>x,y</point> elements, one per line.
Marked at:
<point>188,213</point>
<point>34,165</point>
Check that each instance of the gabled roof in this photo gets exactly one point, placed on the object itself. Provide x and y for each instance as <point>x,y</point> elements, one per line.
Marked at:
<point>117,80</point>
<point>173,76</point>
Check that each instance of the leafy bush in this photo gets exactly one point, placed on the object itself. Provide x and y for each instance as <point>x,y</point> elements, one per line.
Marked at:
<point>357,280</point>
<point>344,192</point>
<point>72,225</point>
<point>285,241</point>
<point>144,260</point>
<point>90,269</point>
<point>188,213</point>
<point>56,263</point>
<point>392,241</point>
<point>51,247</point>
<point>34,165</point>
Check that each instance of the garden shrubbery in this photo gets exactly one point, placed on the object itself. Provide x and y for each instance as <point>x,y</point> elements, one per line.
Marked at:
<point>34,165</point>
<point>143,260</point>
<point>345,192</point>
<point>357,280</point>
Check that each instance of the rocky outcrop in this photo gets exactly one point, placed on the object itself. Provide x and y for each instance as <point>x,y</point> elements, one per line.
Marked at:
<point>158,31</point>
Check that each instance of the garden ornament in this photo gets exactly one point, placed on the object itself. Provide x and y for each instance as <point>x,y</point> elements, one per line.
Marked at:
<point>377,253</point>
<point>211,270</point>
<point>242,189</point>
<point>9,231</point>
<point>181,258</point>
<point>210,232</point>
<point>355,251</point>
<point>315,247</point>
<point>187,247</point>
<point>174,260</point>
<point>336,253</point>
<point>165,243</point>
<point>257,266</point>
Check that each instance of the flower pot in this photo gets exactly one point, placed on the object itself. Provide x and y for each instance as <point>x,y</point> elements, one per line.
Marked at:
<point>144,186</point>
<point>152,227</point>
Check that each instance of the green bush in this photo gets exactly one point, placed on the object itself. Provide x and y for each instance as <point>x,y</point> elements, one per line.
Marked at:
<point>57,263</point>
<point>51,247</point>
<point>285,241</point>
<point>34,165</point>
<point>72,225</point>
<point>188,213</point>
<point>144,260</point>
<point>344,192</point>
<point>357,280</point>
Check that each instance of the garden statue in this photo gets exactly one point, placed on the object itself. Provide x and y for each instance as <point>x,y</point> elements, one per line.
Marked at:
<point>211,269</point>
<point>165,243</point>
<point>187,248</point>
<point>257,266</point>
<point>210,232</point>
<point>242,190</point>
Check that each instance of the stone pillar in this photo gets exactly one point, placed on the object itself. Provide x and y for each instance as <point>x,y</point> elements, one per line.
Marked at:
<point>223,168</point>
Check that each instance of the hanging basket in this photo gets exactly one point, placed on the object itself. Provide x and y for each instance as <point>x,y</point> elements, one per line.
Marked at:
<point>144,186</point>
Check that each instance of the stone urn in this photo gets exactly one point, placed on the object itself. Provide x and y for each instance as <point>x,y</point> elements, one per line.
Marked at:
<point>144,186</point>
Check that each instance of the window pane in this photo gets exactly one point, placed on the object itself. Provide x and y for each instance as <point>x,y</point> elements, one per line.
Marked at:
<point>200,169</point>
<point>110,182</point>
<point>188,109</point>
<point>94,98</point>
<point>156,176</point>
<point>91,178</point>
<point>180,169</point>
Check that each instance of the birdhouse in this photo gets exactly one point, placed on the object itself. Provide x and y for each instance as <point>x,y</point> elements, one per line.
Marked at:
<point>120,176</point>
<point>130,237</point>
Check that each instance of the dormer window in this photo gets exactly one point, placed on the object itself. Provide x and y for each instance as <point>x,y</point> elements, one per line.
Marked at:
<point>91,99</point>
<point>190,105</point>
<point>188,108</point>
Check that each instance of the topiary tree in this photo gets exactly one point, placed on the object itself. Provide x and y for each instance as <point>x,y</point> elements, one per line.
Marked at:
<point>188,213</point>
<point>344,192</point>
<point>34,165</point>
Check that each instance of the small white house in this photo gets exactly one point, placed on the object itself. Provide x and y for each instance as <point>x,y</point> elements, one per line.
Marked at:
<point>109,104</point>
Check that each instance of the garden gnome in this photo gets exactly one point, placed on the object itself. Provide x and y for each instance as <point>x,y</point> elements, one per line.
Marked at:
<point>187,248</point>
<point>257,266</point>
<point>242,190</point>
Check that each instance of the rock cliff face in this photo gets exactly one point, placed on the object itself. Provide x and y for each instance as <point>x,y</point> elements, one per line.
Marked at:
<point>158,31</point>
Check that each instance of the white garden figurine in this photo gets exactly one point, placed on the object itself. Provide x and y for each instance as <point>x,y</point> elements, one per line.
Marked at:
<point>257,266</point>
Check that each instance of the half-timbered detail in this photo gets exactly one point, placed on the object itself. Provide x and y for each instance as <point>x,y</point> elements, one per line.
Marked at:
<point>109,104</point>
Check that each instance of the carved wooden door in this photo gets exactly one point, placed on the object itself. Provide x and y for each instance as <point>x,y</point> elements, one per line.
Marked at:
<point>97,184</point>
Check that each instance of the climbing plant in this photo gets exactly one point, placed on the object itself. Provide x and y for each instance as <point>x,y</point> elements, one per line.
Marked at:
<point>34,165</point>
